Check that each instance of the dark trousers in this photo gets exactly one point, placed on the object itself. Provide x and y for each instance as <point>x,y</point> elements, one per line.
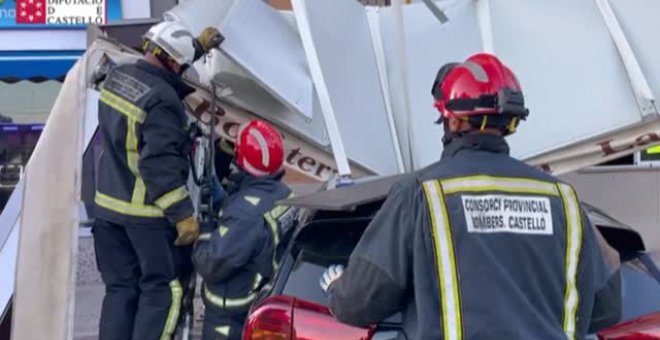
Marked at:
<point>145,277</point>
<point>221,324</point>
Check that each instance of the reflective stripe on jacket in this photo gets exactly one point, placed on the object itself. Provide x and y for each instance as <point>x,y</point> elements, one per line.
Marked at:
<point>478,246</point>
<point>144,164</point>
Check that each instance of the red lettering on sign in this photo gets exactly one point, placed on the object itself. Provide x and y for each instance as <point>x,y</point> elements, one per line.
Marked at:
<point>608,149</point>
<point>292,155</point>
<point>648,138</point>
<point>304,161</point>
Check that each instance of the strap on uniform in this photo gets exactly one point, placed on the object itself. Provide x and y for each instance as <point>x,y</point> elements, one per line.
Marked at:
<point>445,260</point>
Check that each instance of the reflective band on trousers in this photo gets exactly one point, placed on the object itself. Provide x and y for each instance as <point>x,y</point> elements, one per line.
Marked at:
<point>175,309</point>
<point>127,208</point>
<point>573,215</point>
<point>443,249</point>
<point>504,184</point>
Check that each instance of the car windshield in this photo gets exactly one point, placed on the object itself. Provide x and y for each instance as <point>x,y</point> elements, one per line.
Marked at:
<point>320,245</point>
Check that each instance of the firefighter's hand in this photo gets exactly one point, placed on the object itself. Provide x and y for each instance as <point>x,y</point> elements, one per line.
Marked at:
<point>210,38</point>
<point>330,275</point>
<point>188,231</point>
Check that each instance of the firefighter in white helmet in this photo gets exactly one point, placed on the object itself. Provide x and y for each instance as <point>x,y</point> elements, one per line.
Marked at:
<point>141,194</point>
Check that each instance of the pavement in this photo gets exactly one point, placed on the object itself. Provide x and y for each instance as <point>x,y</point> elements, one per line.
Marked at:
<point>89,294</point>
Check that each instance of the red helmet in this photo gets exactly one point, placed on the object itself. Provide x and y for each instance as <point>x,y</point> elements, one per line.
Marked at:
<point>259,149</point>
<point>482,85</point>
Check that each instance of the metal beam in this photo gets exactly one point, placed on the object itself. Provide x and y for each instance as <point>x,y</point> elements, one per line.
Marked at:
<point>379,52</point>
<point>640,86</point>
<point>397,5</point>
<point>485,25</point>
<point>339,153</point>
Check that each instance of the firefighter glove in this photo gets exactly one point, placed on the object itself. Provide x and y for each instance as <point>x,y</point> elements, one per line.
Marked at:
<point>329,276</point>
<point>210,38</point>
<point>188,231</point>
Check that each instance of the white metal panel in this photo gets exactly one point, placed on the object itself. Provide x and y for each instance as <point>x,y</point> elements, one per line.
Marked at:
<point>574,82</point>
<point>259,39</point>
<point>429,45</point>
<point>197,14</point>
<point>261,50</point>
<point>349,67</point>
<point>639,20</point>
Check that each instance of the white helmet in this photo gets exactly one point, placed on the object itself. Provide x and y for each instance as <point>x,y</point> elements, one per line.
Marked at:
<point>175,39</point>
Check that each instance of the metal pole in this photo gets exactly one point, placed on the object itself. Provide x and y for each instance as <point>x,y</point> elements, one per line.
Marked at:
<point>485,25</point>
<point>641,88</point>
<point>377,41</point>
<point>397,5</point>
<point>300,12</point>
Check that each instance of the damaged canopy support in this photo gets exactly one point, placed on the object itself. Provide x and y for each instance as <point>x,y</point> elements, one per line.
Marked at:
<point>638,81</point>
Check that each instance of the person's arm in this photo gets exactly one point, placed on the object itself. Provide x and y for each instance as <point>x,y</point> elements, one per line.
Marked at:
<point>219,253</point>
<point>163,162</point>
<point>376,282</point>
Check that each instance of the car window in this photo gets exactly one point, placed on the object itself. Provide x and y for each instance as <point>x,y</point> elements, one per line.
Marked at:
<point>321,245</point>
<point>303,281</point>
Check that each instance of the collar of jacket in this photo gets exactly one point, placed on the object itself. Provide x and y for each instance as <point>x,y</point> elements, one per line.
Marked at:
<point>477,141</point>
<point>181,88</point>
<point>241,180</point>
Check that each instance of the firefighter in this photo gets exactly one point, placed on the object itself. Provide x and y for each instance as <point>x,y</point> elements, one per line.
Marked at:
<point>238,257</point>
<point>142,208</point>
<point>478,245</point>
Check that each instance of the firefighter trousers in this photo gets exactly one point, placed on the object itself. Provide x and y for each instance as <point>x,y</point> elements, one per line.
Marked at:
<point>221,324</point>
<point>145,276</point>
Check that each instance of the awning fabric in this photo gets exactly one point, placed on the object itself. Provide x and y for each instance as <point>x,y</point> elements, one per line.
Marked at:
<point>36,66</point>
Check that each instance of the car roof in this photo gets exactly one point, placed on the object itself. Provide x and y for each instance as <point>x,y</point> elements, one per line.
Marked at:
<point>346,198</point>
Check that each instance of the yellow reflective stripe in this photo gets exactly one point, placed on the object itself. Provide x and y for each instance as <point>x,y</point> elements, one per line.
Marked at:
<point>172,197</point>
<point>445,262</point>
<point>127,208</point>
<point>222,302</point>
<point>254,200</point>
<point>133,156</point>
<point>573,247</point>
<point>204,236</point>
<point>276,237</point>
<point>257,281</point>
<point>224,330</point>
<point>175,309</point>
<point>123,106</point>
<point>505,184</point>
<point>278,211</point>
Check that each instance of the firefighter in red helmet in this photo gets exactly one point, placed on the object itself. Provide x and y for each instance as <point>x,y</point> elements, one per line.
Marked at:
<point>238,257</point>
<point>478,245</point>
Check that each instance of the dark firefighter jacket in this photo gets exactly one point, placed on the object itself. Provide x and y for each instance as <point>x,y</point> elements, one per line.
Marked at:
<point>238,256</point>
<point>480,246</point>
<point>144,165</point>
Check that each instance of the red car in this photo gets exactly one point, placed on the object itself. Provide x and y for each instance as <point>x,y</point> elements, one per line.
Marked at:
<point>294,307</point>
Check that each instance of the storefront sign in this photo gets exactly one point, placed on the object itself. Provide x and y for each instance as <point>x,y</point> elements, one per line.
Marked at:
<point>57,13</point>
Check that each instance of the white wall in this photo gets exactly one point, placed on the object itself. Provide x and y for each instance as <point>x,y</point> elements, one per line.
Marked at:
<point>27,102</point>
<point>631,195</point>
